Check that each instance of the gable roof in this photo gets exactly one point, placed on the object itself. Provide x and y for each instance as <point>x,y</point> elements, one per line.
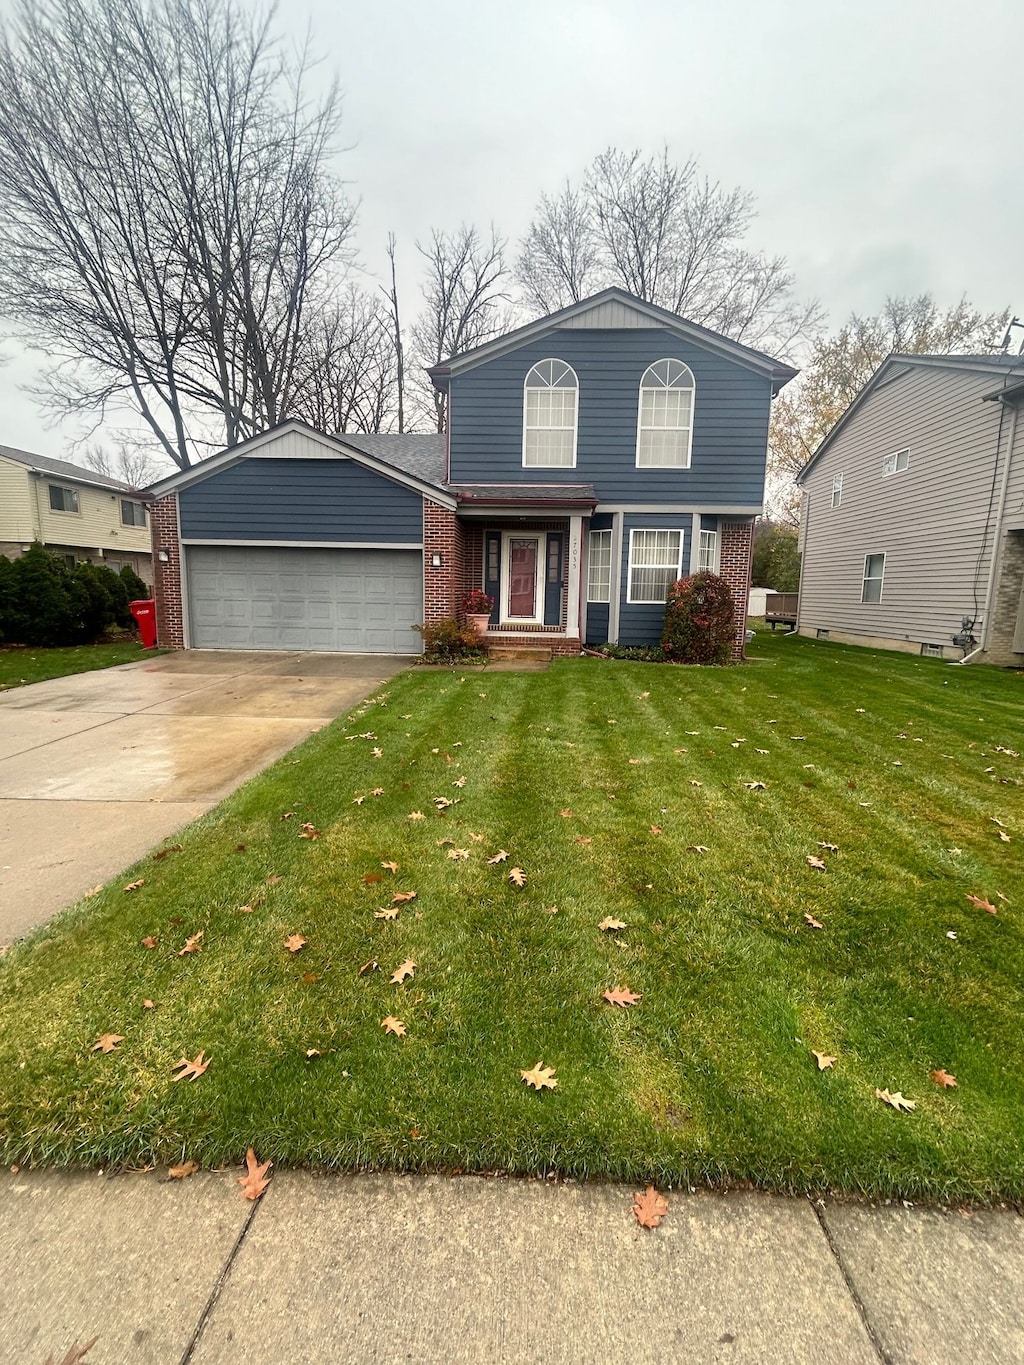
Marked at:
<point>651,315</point>
<point>415,461</point>
<point>63,469</point>
<point>1010,366</point>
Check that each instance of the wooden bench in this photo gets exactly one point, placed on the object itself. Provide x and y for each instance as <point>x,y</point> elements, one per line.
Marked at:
<point>780,609</point>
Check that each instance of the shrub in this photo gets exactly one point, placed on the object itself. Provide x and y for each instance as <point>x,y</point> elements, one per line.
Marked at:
<point>477,603</point>
<point>6,597</point>
<point>449,641</point>
<point>47,605</point>
<point>105,600</point>
<point>133,585</point>
<point>699,621</point>
<point>644,654</point>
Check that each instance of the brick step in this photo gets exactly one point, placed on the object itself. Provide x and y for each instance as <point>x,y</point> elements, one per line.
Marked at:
<point>532,652</point>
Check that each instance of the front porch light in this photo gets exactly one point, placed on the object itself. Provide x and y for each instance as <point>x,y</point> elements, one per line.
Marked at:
<point>435,561</point>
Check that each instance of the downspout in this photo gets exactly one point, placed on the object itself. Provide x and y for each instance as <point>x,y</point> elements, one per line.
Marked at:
<point>805,521</point>
<point>997,538</point>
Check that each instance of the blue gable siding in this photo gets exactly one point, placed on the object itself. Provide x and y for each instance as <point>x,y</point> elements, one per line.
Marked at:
<point>642,624</point>
<point>315,500</point>
<point>730,430</point>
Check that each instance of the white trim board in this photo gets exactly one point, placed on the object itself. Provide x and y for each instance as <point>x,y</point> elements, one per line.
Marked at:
<point>310,544</point>
<point>683,508</point>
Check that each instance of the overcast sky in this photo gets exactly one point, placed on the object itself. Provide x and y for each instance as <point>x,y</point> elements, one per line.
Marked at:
<point>882,140</point>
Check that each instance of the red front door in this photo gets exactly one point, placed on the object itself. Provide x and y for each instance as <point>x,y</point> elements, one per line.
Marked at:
<point>522,579</point>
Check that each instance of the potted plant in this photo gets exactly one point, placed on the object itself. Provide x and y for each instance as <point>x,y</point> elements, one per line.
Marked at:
<point>477,606</point>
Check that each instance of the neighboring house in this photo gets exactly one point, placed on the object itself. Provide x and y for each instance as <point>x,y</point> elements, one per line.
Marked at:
<point>593,457</point>
<point>72,511</point>
<point>913,512</point>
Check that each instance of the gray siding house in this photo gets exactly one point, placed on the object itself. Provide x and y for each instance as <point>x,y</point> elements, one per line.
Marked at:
<point>592,458</point>
<point>913,512</point>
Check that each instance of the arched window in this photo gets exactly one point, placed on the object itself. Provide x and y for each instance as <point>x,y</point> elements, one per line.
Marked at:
<point>549,416</point>
<point>665,422</point>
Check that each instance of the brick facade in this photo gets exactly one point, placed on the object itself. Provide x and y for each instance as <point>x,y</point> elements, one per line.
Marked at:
<point>163,520</point>
<point>443,587</point>
<point>1006,604</point>
<point>736,552</point>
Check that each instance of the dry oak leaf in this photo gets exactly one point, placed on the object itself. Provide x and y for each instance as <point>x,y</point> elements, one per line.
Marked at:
<point>309,831</point>
<point>192,944</point>
<point>377,791</point>
<point>150,941</point>
<point>416,815</point>
<point>621,996</point>
<point>148,1005</point>
<point>401,897</point>
<point>982,904</point>
<point>358,800</point>
<point>566,814</point>
<point>540,1077</point>
<point>389,912</point>
<point>107,1042</point>
<point>823,1059</point>
<point>370,966</point>
<point>294,942</point>
<point>755,786</point>
<point>442,802</point>
<point>445,843</point>
<point>896,1100</point>
<point>458,855</point>
<point>391,867</point>
<point>191,1070</point>
<point>818,863</point>
<point>459,782</point>
<point>255,1180</point>
<point>500,857</point>
<point>93,891</point>
<point>403,971</point>
<point>134,886</point>
<point>1003,835</point>
<point>696,848</point>
<point>583,839</point>
<point>943,1078</point>
<point>655,829</point>
<point>183,1171</point>
<point>814,923</point>
<point>517,877</point>
<point>288,815</point>
<point>372,878</point>
<point>393,1025</point>
<point>613,924</point>
<point>649,1208</point>
<point>829,848</point>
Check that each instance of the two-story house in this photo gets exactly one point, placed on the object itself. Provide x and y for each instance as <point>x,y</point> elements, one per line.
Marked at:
<point>592,458</point>
<point>72,511</point>
<point>913,512</point>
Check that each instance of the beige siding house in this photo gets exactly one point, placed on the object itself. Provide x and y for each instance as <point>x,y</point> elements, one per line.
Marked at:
<point>72,511</point>
<point>913,513</point>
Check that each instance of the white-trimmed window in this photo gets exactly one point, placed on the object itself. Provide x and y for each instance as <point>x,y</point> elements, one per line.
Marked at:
<point>874,573</point>
<point>655,562</point>
<point>895,463</point>
<point>665,421</point>
<point>707,552</point>
<point>837,490</point>
<point>599,567</point>
<point>132,513</point>
<point>63,499</point>
<point>550,407</point>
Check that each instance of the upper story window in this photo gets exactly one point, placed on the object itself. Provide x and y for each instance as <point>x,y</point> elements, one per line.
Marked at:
<point>837,490</point>
<point>599,567</point>
<point>132,513</point>
<point>707,552</point>
<point>896,463</point>
<point>550,403</point>
<point>63,499</point>
<point>665,423</point>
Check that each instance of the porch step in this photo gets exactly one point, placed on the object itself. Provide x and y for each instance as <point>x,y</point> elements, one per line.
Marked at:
<point>533,653</point>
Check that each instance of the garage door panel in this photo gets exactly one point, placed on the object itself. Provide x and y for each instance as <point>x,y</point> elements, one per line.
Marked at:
<point>351,601</point>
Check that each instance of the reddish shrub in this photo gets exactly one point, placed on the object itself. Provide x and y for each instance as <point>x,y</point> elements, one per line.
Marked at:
<point>699,621</point>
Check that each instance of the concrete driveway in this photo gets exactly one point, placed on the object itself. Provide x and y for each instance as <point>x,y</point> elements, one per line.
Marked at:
<point>97,768</point>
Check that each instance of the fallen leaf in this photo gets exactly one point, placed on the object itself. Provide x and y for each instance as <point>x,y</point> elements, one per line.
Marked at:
<point>309,831</point>
<point>274,878</point>
<point>191,1070</point>
<point>823,1059</point>
<point>255,1180</point>
<point>402,897</point>
<point>944,1079</point>
<point>445,843</point>
<point>656,829</point>
<point>540,1077</point>
<point>459,782</point>
<point>695,783</point>
<point>377,791</point>
<point>370,966</point>
<point>288,815</point>
<point>309,978</point>
<point>107,1042</point>
<point>621,996</point>
<point>818,863</point>
<point>393,1025</point>
<point>148,1005</point>
<point>378,753</point>
<point>896,1100</point>
<point>294,942</point>
<point>358,800</point>
<point>192,944</point>
<point>477,838</point>
<point>134,886</point>
<point>442,802</point>
<point>983,904</point>
<point>566,814</point>
<point>767,752</point>
<point>696,848</point>
<point>403,971</point>
<point>829,848</point>
<point>612,924</point>
<point>755,786</point>
<point>183,1171</point>
<point>814,924</point>
<point>634,761</point>
<point>372,878</point>
<point>391,867</point>
<point>583,839</point>
<point>150,941</point>
<point>517,877</point>
<point>416,815</point>
<point>458,855</point>
<point>93,891</point>
<point>389,912</point>
<point>162,853</point>
<point>649,1208</point>
<point>1003,835</point>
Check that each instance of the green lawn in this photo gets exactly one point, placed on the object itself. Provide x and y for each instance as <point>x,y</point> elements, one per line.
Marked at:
<point>710,1078</point>
<point>21,666</point>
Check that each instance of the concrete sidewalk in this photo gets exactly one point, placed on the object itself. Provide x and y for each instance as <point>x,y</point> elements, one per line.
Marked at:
<point>416,1269</point>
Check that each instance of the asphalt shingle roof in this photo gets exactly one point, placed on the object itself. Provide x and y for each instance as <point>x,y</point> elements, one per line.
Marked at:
<point>63,469</point>
<point>422,455</point>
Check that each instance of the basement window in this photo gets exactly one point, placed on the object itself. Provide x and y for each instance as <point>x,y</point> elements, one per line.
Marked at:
<point>931,651</point>
<point>821,634</point>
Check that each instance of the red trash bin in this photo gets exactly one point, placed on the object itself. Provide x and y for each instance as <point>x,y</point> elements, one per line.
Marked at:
<point>145,616</point>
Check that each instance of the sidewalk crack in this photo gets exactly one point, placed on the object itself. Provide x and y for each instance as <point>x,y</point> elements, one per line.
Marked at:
<point>819,1212</point>
<point>215,1293</point>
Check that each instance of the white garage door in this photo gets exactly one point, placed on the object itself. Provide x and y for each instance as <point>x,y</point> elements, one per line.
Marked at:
<point>344,601</point>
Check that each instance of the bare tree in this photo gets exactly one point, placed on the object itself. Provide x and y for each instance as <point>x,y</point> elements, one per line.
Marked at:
<point>466,302</point>
<point>669,235</point>
<point>129,462</point>
<point>349,371</point>
<point>166,220</point>
<point>396,322</point>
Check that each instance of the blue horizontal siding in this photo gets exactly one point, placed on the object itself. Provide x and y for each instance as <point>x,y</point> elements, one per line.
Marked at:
<point>643,624</point>
<point>315,500</point>
<point>730,430</point>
